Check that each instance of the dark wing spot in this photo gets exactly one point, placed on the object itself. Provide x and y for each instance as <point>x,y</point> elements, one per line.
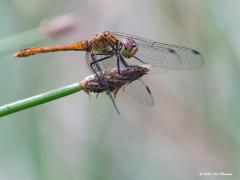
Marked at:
<point>149,91</point>
<point>172,51</point>
<point>195,52</point>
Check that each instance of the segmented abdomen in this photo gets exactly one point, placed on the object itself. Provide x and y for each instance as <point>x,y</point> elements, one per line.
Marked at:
<point>77,46</point>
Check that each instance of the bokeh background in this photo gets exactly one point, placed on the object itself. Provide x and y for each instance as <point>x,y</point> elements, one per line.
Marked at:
<point>193,126</point>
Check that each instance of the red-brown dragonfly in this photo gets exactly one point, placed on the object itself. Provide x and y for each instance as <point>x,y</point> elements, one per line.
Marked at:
<point>108,50</point>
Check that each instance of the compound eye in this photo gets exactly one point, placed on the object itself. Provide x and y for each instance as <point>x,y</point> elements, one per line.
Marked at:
<point>127,44</point>
<point>132,41</point>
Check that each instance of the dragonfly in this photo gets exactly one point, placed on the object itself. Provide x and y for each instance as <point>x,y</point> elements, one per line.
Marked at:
<point>108,50</point>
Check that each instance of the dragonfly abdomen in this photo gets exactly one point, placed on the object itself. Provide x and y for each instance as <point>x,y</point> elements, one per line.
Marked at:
<point>77,46</point>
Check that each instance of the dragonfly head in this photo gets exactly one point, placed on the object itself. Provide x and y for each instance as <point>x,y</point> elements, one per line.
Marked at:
<point>128,48</point>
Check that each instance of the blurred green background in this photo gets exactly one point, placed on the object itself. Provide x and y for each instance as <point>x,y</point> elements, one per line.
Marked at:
<point>192,128</point>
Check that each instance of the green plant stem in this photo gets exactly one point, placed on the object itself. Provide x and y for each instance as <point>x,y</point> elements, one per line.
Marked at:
<point>40,99</point>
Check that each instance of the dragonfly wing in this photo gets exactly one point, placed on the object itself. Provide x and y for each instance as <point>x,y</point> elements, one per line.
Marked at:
<point>191,58</point>
<point>161,60</point>
<point>164,57</point>
<point>139,91</point>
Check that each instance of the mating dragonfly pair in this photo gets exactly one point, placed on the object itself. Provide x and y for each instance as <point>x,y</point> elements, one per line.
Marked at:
<point>123,53</point>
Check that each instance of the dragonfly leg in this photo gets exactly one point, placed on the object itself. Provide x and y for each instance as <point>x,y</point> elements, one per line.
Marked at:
<point>101,54</point>
<point>93,57</point>
<point>118,64</point>
<point>95,62</point>
<point>120,58</point>
<point>139,60</point>
<point>123,61</point>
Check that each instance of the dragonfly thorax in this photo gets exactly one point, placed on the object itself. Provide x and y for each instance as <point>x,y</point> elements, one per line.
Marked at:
<point>104,42</point>
<point>128,48</point>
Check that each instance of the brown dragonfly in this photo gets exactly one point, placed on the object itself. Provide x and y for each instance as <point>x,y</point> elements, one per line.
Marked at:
<point>109,50</point>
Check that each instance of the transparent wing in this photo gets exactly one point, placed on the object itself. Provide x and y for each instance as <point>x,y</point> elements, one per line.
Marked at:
<point>139,91</point>
<point>164,56</point>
